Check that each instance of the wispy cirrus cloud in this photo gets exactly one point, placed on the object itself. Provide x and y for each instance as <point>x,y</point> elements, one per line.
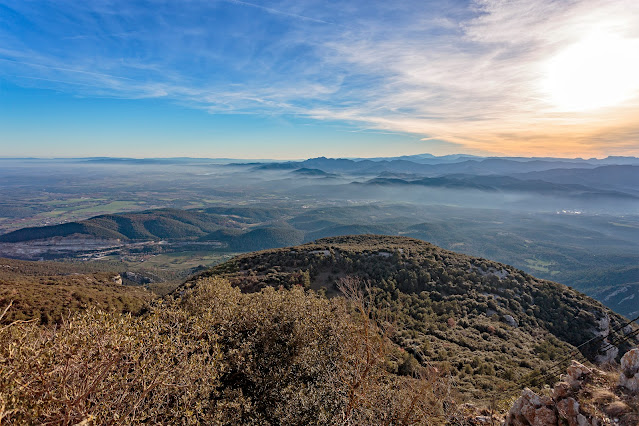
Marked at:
<point>278,12</point>
<point>467,73</point>
<point>481,86</point>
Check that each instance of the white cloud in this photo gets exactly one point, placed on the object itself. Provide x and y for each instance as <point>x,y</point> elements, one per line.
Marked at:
<point>469,76</point>
<point>481,88</point>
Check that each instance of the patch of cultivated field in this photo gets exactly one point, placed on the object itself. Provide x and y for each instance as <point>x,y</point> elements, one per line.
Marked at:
<point>540,265</point>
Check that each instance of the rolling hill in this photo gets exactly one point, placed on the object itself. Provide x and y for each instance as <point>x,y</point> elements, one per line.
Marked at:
<point>306,172</point>
<point>551,246</point>
<point>156,224</point>
<point>152,224</point>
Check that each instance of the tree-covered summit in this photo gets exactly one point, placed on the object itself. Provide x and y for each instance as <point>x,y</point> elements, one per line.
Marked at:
<point>488,323</point>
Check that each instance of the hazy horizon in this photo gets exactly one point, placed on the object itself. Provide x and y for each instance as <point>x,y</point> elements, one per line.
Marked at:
<point>398,155</point>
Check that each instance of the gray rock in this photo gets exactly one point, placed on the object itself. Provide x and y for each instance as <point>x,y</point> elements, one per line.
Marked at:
<point>629,377</point>
<point>508,319</point>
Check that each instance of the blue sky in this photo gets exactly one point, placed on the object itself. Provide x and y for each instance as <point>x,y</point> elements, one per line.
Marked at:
<point>294,79</point>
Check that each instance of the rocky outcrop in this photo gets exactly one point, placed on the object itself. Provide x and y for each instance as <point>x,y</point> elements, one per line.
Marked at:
<point>535,410</point>
<point>583,397</point>
<point>629,377</point>
<point>532,410</point>
<point>607,351</point>
<point>137,278</point>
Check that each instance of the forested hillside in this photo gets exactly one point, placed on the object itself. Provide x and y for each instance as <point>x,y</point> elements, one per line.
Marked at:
<point>157,224</point>
<point>489,324</point>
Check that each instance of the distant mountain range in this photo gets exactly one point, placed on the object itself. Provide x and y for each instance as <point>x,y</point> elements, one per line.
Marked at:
<point>535,183</point>
<point>432,166</point>
<point>609,177</point>
<point>472,166</point>
<point>425,159</point>
<point>624,177</point>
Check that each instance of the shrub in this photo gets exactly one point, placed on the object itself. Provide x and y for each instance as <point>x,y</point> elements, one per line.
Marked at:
<point>111,367</point>
<point>215,355</point>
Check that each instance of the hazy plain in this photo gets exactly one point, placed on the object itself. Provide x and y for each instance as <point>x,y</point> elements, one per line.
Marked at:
<point>567,228</point>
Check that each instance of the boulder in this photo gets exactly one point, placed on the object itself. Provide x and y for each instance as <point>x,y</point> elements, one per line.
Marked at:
<point>561,390</point>
<point>537,400</point>
<point>576,373</point>
<point>629,377</point>
<point>583,421</point>
<point>508,319</point>
<point>568,410</point>
<point>531,409</point>
<point>617,409</point>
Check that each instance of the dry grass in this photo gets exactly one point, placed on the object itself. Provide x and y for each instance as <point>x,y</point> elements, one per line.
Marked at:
<point>601,397</point>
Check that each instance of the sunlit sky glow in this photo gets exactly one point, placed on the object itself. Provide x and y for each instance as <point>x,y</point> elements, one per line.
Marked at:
<point>296,79</point>
<point>598,71</point>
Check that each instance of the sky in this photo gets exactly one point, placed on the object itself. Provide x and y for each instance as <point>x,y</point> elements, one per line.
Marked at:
<point>288,79</point>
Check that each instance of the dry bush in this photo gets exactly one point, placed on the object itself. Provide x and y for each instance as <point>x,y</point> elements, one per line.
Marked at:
<point>217,356</point>
<point>113,368</point>
<point>279,349</point>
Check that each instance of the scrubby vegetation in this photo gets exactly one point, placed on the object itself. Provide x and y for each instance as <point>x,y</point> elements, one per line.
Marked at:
<point>214,355</point>
<point>489,324</point>
<point>48,291</point>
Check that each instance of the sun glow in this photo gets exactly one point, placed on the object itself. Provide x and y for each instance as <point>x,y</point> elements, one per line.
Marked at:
<point>599,71</point>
